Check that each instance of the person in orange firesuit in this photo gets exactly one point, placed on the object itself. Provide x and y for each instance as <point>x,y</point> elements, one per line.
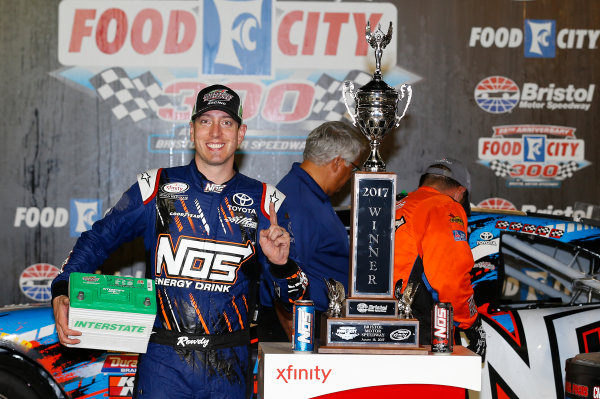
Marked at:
<point>432,252</point>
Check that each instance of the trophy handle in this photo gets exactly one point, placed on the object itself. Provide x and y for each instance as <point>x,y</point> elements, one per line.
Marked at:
<point>348,88</point>
<point>405,90</point>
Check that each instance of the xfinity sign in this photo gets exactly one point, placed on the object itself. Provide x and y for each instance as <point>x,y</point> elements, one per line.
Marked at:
<point>539,38</point>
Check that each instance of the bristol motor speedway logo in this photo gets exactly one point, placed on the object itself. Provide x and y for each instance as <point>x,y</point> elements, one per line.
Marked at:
<point>539,37</point>
<point>36,279</point>
<point>287,60</point>
<point>499,94</point>
<point>532,155</point>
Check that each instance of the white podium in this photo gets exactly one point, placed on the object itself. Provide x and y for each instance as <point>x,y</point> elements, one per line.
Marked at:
<point>283,373</point>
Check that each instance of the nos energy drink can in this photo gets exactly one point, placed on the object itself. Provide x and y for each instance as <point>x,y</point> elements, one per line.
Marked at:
<point>442,328</point>
<point>304,322</point>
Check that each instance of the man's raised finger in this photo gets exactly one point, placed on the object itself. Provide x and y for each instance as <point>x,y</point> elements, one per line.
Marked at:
<point>272,214</point>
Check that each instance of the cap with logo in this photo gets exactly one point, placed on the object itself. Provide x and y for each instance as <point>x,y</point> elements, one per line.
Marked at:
<point>221,98</point>
<point>456,171</point>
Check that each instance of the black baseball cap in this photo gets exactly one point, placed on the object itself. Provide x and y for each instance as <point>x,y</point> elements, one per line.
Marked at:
<point>218,97</point>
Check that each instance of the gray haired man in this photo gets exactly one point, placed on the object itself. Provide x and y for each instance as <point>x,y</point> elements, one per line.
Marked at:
<point>331,154</point>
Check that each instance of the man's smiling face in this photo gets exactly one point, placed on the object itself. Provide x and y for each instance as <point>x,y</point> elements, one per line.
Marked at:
<point>216,136</point>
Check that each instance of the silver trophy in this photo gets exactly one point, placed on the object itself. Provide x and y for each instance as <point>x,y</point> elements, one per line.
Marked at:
<point>405,299</point>
<point>336,294</point>
<point>376,104</point>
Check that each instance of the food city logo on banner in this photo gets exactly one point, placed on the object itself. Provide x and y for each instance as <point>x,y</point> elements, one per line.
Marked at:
<point>288,60</point>
<point>499,94</point>
<point>532,155</point>
<point>539,37</point>
<point>83,213</point>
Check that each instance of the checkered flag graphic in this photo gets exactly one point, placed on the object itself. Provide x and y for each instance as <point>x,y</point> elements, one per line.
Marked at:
<point>566,169</point>
<point>529,228</point>
<point>543,230</point>
<point>516,226</point>
<point>129,97</point>
<point>500,168</point>
<point>329,103</point>
<point>501,224</point>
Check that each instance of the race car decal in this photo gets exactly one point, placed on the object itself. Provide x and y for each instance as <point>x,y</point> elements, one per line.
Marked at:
<point>543,339</point>
<point>500,388</point>
<point>121,386</point>
<point>510,327</point>
<point>543,231</point>
<point>588,338</point>
<point>122,364</point>
<point>558,359</point>
<point>75,370</point>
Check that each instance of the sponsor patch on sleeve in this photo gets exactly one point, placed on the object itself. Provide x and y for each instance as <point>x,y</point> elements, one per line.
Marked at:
<point>271,194</point>
<point>148,183</point>
<point>456,219</point>
<point>459,235</point>
<point>400,222</point>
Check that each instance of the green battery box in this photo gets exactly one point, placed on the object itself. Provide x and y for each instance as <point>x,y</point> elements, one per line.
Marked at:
<point>112,312</point>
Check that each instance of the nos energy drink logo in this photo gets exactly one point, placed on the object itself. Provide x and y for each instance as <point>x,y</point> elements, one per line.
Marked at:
<point>232,33</point>
<point>540,38</point>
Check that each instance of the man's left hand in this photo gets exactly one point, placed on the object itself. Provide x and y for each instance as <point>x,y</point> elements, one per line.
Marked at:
<point>275,241</point>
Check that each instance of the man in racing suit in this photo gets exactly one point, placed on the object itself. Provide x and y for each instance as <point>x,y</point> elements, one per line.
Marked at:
<point>431,249</point>
<point>201,224</point>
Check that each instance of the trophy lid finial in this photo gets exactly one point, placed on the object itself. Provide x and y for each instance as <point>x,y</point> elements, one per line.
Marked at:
<point>378,41</point>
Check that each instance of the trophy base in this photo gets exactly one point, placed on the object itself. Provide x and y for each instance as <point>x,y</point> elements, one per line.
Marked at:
<point>369,335</point>
<point>421,350</point>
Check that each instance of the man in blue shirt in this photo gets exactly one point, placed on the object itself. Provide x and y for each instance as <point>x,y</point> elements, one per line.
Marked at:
<point>331,154</point>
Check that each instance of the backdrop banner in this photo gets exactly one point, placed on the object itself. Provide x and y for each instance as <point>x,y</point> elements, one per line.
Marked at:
<point>97,91</point>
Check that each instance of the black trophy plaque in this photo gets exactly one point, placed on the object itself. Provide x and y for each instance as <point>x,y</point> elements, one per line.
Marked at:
<point>361,307</point>
<point>370,335</point>
<point>372,235</point>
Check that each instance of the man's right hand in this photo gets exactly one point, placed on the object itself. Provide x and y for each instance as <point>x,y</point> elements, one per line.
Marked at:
<point>476,336</point>
<point>60,304</point>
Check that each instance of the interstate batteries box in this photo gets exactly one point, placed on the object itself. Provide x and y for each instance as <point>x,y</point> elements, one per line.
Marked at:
<point>112,312</point>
